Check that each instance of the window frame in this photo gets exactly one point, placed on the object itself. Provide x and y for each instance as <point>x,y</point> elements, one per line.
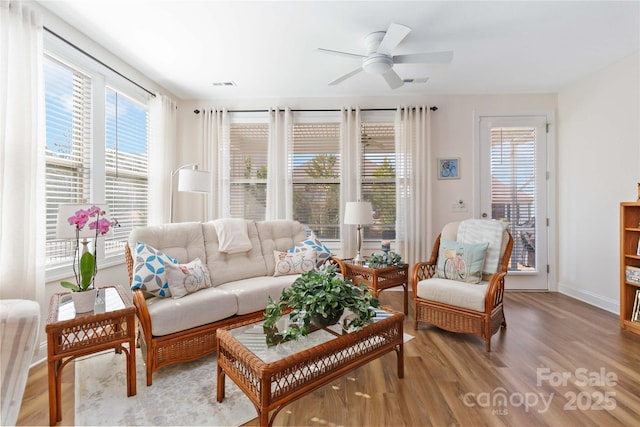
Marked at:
<point>101,79</point>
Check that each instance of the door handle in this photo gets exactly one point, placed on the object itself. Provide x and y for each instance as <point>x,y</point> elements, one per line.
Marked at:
<point>484,214</point>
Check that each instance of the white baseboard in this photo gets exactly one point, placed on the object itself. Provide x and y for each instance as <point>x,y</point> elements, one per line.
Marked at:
<point>40,355</point>
<point>599,301</point>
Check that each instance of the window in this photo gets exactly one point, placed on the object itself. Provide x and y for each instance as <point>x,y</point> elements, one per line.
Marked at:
<point>379,178</point>
<point>248,170</point>
<point>513,178</point>
<point>68,147</point>
<point>96,149</point>
<point>126,166</point>
<point>315,163</point>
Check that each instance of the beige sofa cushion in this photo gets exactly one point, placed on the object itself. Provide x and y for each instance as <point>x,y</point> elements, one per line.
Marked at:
<point>183,241</point>
<point>253,294</point>
<point>278,235</point>
<point>200,308</point>
<point>452,292</point>
<point>224,267</point>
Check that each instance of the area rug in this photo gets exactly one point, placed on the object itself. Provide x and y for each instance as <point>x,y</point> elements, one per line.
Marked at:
<point>181,394</point>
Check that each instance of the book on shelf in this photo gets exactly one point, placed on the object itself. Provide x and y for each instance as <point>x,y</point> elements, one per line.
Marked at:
<point>632,274</point>
<point>635,313</point>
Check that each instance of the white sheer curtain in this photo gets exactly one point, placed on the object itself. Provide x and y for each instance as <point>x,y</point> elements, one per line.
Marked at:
<point>22,163</point>
<point>162,155</point>
<point>350,153</point>
<point>279,172</point>
<point>414,235</point>
<point>216,142</point>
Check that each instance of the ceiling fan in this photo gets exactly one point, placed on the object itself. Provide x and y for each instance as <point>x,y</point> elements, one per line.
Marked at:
<point>380,61</point>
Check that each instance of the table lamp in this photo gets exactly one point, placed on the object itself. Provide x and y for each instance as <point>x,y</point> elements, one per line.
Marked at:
<point>358,213</point>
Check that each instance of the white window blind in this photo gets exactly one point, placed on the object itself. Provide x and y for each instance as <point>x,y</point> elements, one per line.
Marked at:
<point>315,163</point>
<point>248,170</point>
<point>126,144</point>
<point>68,148</point>
<point>513,177</point>
<point>378,178</point>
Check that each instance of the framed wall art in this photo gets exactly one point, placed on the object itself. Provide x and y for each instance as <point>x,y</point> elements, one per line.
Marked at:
<point>449,168</point>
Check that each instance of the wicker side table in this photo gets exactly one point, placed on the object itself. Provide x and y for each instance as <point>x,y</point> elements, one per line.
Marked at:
<point>379,279</point>
<point>69,336</point>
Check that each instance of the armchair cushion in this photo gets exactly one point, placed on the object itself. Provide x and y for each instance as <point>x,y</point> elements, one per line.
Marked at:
<point>452,292</point>
<point>483,230</point>
<point>461,261</point>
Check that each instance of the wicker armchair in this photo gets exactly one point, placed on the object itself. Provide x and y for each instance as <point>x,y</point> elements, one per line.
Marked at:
<point>439,301</point>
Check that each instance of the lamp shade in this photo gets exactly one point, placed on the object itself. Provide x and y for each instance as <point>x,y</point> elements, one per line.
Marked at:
<point>194,181</point>
<point>359,213</point>
<point>64,230</point>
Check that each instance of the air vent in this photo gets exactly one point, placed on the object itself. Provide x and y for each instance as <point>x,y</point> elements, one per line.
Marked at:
<point>229,83</point>
<point>417,80</point>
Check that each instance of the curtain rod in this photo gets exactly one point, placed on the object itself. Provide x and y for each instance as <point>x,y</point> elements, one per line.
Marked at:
<point>196,111</point>
<point>96,59</point>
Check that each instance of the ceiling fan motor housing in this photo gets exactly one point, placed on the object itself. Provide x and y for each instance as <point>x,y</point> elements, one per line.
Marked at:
<point>377,63</point>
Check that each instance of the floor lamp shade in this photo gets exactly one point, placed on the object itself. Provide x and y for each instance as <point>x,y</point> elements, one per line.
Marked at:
<point>194,180</point>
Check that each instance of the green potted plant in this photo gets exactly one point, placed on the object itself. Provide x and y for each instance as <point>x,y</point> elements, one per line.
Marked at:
<point>385,259</point>
<point>320,297</point>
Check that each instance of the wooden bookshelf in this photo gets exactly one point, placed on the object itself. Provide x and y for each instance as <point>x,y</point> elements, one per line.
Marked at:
<point>629,247</point>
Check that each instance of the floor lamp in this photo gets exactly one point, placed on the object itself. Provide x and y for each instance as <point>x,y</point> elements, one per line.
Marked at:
<point>358,213</point>
<point>190,179</point>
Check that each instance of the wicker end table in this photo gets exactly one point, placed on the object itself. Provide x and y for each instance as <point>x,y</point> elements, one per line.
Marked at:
<point>273,377</point>
<point>71,335</point>
<point>379,279</point>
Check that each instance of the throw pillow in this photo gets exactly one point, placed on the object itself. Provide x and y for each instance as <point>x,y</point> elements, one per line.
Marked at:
<point>149,270</point>
<point>461,261</point>
<point>296,263</point>
<point>187,278</point>
<point>313,243</point>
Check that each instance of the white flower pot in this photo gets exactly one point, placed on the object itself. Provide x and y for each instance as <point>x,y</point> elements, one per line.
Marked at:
<point>84,301</point>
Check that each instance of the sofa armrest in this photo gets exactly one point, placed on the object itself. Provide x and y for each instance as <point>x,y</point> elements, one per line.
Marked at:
<point>339,263</point>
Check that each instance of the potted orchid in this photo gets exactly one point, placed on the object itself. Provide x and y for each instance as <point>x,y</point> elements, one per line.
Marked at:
<point>85,266</point>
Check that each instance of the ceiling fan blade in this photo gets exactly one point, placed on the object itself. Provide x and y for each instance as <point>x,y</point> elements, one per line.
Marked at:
<point>345,77</point>
<point>395,34</point>
<point>393,79</point>
<point>424,58</point>
<point>337,52</point>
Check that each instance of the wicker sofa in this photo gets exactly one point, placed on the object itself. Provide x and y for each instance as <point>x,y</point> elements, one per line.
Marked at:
<point>179,330</point>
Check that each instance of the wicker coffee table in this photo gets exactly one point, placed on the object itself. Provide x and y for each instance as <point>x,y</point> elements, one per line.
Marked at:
<point>275,376</point>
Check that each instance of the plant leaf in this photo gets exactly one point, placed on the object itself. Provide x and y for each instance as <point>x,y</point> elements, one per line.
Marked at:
<point>87,266</point>
<point>70,285</point>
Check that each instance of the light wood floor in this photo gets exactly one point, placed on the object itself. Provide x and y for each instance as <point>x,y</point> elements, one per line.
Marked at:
<point>451,380</point>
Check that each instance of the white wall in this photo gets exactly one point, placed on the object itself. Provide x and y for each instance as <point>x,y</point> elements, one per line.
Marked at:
<point>598,167</point>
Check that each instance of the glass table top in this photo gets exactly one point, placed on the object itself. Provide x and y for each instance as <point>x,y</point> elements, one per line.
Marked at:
<point>107,300</point>
<point>254,339</point>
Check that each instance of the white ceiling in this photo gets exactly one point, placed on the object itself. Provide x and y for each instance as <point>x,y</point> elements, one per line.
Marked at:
<point>268,47</point>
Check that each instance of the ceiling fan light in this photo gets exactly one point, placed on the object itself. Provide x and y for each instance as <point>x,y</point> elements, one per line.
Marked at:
<point>378,64</point>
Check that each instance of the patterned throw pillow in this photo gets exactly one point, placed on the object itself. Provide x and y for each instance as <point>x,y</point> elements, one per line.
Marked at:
<point>296,263</point>
<point>149,270</point>
<point>312,243</point>
<point>461,261</point>
<point>187,278</point>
